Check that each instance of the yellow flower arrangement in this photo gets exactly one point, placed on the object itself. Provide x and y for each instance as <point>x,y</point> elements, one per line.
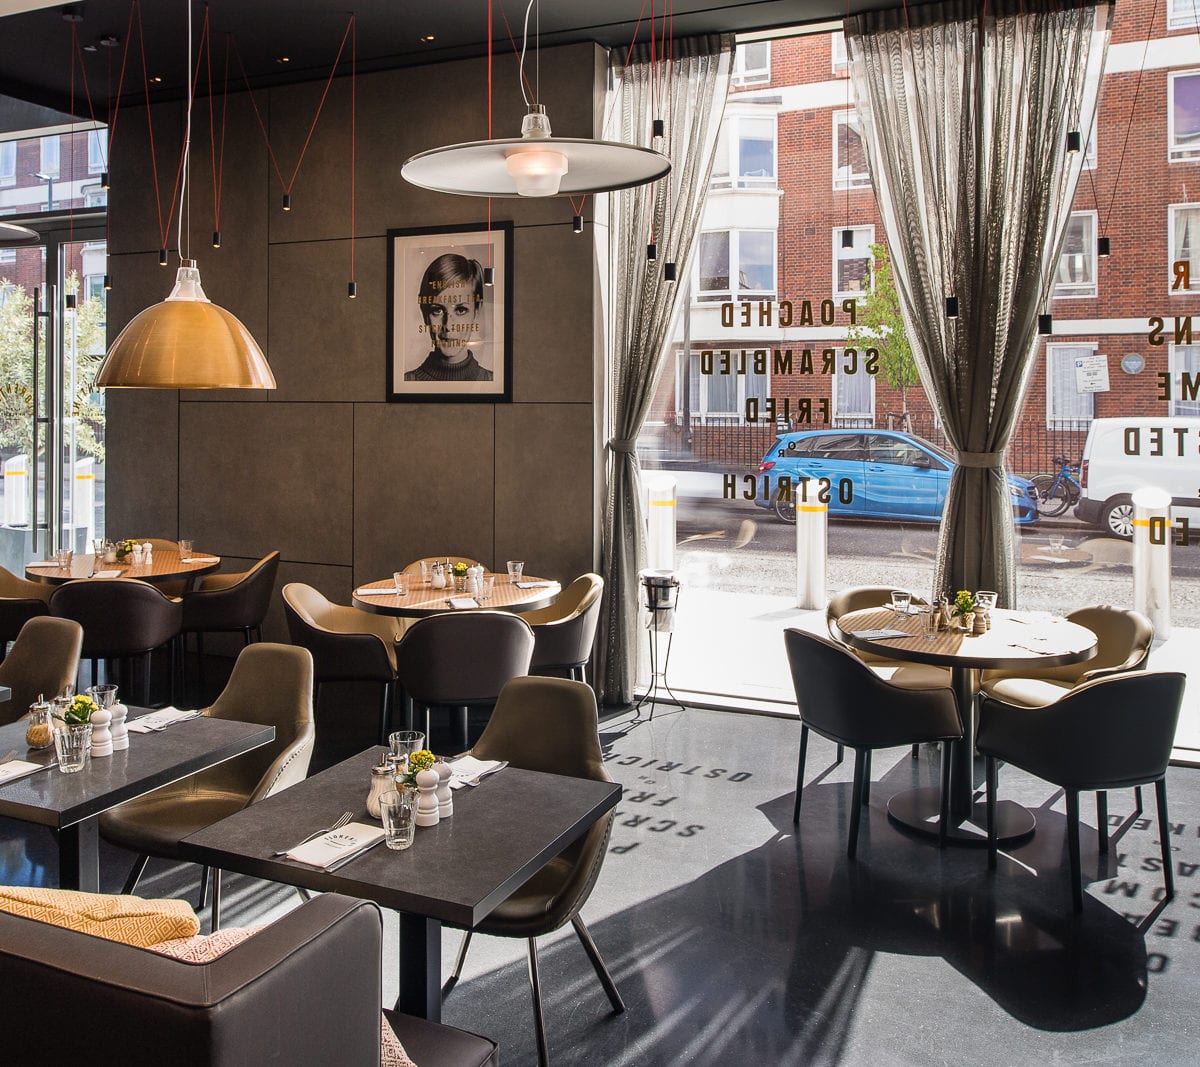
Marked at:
<point>421,760</point>
<point>964,602</point>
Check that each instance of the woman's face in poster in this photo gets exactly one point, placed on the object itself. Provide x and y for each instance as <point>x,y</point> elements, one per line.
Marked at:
<point>453,319</point>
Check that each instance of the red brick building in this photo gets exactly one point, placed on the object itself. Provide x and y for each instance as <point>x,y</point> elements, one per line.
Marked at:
<point>791,178</point>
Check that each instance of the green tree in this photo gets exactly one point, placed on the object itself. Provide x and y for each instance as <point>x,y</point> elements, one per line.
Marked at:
<point>84,346</point>
<point>880,325</point>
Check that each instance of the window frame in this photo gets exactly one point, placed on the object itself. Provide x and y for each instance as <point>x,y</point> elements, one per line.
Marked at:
<point>1172,255</point>
<point>856,294</point>
<point>839,56</point>
<point>701,410</point>
<point>1055,421</point>
<point>1077,292</point>
<point>707,297</point>
<point>54,170</point>
<point>1182,14</point>
<point>1175,153</point>
<point>731,132</point>
<point>97,142</point>
<point>839,117</point>
<point>8,176</point>
<point>835,411</point>
<point>741,75</point>
<point>1173,369</point>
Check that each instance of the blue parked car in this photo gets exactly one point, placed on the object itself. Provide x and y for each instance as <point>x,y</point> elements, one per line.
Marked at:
<point>872,474</point>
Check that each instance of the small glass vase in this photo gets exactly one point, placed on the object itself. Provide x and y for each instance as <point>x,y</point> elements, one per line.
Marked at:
<point>460,583</point>
<point>967,621</point>
<point>73,744</point>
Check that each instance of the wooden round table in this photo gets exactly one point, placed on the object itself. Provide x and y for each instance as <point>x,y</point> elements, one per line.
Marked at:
<point>166,566</point>
<point>424,600</point>
<point>1017,640</point>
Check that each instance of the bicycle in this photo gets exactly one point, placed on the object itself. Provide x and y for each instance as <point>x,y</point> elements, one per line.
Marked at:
<point>1057,492</point>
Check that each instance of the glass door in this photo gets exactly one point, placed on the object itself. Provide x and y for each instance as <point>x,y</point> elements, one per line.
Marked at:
<point>52,339</point>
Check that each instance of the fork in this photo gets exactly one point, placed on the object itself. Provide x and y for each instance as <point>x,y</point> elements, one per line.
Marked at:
<point>346,816</point>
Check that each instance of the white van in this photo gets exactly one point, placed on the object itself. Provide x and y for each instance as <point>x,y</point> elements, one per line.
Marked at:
<point>1121,456</point>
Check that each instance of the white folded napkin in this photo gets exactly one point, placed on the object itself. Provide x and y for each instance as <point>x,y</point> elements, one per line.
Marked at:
<point>160,720</point>
<point>43,563</point>
<point>467,770</point>
<point>457,602</point>
<point>337,845</point>
<point>534,585</point>
<point>18,768</point>
<point>105,574</point>
<point>879,635</point>
<point>203,559</point>
<point>375,592</point>
<point>1050,559</point>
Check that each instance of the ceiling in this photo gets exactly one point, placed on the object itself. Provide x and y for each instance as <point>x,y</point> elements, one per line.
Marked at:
<point>35,39</point>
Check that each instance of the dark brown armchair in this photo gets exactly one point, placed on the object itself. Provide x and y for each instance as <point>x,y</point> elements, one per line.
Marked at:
<point>462,660</point>
<point>1109,733</point>
<point>271,685</point>
<point>549,724</point>
<point>563,633</point>
<point>44,660</point>
<point>842,699</point>
<point>123,619</point>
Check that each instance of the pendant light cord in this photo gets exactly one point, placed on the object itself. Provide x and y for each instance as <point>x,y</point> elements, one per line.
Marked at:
<point>184,190</point>
<point>524,44</point>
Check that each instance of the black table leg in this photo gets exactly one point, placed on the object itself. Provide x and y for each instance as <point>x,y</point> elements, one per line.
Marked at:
<point>79,856</point>
<point>962,769</point>
<point>420,967</point>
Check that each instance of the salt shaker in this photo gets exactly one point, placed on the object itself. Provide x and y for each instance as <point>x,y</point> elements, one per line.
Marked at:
<point>148,552</point>
<point>118,729</point>
<point>382,781</point>
<point>444,796</point>
<point>102,744</point>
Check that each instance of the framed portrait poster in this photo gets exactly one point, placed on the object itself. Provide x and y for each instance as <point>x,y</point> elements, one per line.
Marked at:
<point>449,335</point>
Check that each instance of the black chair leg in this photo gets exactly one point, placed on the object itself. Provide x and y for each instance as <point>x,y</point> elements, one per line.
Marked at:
<point>1137,796</point>
<point>593,954</point>
<point>316,697</point>
<point>383,713</point>
<point>856,802</point>
<point>1102,820</point>
<point>304,893</point>
<point>866,782</point>
<point>216,900</point>
<point>535,989</point>
<point>407,702</point>
<point>944,798</point>
<point>459,960</point>
<point>800,773</point>
<point>916,752</point>
<point>1073,849</point>
<point>203,901</point>
<point>463,728</point>
<point>989,772</point>
<point>841,754</point>
<point>200,665</point>
<point>135,874</point>
<point>146,680</point>
<point>1164,835</point>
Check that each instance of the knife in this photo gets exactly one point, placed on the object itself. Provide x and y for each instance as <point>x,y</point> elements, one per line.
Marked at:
<point>353,856</point>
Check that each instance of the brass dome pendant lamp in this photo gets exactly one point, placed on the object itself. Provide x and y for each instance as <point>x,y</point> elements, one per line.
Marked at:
<point>185,342</point>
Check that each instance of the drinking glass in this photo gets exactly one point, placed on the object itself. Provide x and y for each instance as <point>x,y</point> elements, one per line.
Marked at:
<point>986,599</point>
<point>185,551</point>
<point>105,696</point>
<point>401,580</point>
<point>398,810</point>
<point>425,572</point>
<point>515,567</point>
<point>929,623</point>
<point>1057,542</point>
<point>98,547</point>
<point>901,599</point>
<point>403,743</point>
<point>65,555</point>
<point>73,744</point>
<point>487,585</point>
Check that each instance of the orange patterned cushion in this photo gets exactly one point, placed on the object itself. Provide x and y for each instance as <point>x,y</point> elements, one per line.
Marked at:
<point>131,920</point>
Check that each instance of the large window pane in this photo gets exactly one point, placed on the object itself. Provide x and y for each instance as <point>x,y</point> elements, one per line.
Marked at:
<point>1066,407</point>
<point>756,261</point>
<point>849,156</point>
<point>1184,115</point>
<point>714,265</point>
<point>1077,265</point>
<point>756,148</point>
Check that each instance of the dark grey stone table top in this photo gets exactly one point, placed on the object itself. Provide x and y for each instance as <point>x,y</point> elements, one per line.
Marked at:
<point>51,798</point>
<point>501,833</point>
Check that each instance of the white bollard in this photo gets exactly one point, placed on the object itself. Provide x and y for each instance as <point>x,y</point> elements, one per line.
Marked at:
<point>16,491</point>
<point>1152,558</point>
<point>811,550</point>
<point>660,522</point>
<point>83,503</point>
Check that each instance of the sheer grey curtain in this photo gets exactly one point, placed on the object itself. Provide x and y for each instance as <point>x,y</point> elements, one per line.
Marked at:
<point>690,96</point>
<point>964,109</point>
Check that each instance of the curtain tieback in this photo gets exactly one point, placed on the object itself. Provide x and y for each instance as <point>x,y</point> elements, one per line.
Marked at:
<point>626,445</point>
<point>979,459</point>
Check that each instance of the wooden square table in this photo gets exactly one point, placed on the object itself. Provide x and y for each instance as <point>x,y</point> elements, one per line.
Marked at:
<point>72,803</point>
<point>502,832</point>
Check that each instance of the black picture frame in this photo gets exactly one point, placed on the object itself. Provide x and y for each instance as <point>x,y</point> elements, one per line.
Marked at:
<point>427,335</point>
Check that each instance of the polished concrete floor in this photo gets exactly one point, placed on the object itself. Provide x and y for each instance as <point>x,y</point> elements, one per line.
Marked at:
<point>737,939</point>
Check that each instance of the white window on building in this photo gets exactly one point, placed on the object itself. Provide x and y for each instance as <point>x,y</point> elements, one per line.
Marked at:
<point>97,151</point>
<point>50,156</point>
<point>1089,149</point>
<point>1183,242</point>
<point>839,60</point>
<point>849,156</point>
<point>716,394</point>
<point>736,265</point>
<point>8,162</point>
<point>745,157</point>
<point>853,267</point>
<point>1183,14</point>
<point>1076,275</point>
<point>1183,115</point>
<point>1066,407</point>
<point>751,63</point>
<point>853,394</point>
<point>1184,364</point>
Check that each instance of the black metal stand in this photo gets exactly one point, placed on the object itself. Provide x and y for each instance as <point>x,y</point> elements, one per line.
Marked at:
<point>655,674</point>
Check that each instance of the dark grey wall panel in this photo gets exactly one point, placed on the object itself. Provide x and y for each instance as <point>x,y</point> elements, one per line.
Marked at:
<point>422,484</point>
<point>256,478</point>
<point>323,345</point>
<point>544,488</point>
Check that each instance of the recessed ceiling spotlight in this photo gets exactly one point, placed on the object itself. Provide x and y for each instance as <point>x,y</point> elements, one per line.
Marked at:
<point>283,59</point>
<point>156,78</point>
<point>110,40</point>
<point>90,48</point>
<point>428,38</point>
<point>72,14</point>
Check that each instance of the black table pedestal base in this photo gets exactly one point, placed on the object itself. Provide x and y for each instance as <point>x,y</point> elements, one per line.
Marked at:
<point>917,810</point>
<point>420,967</point>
